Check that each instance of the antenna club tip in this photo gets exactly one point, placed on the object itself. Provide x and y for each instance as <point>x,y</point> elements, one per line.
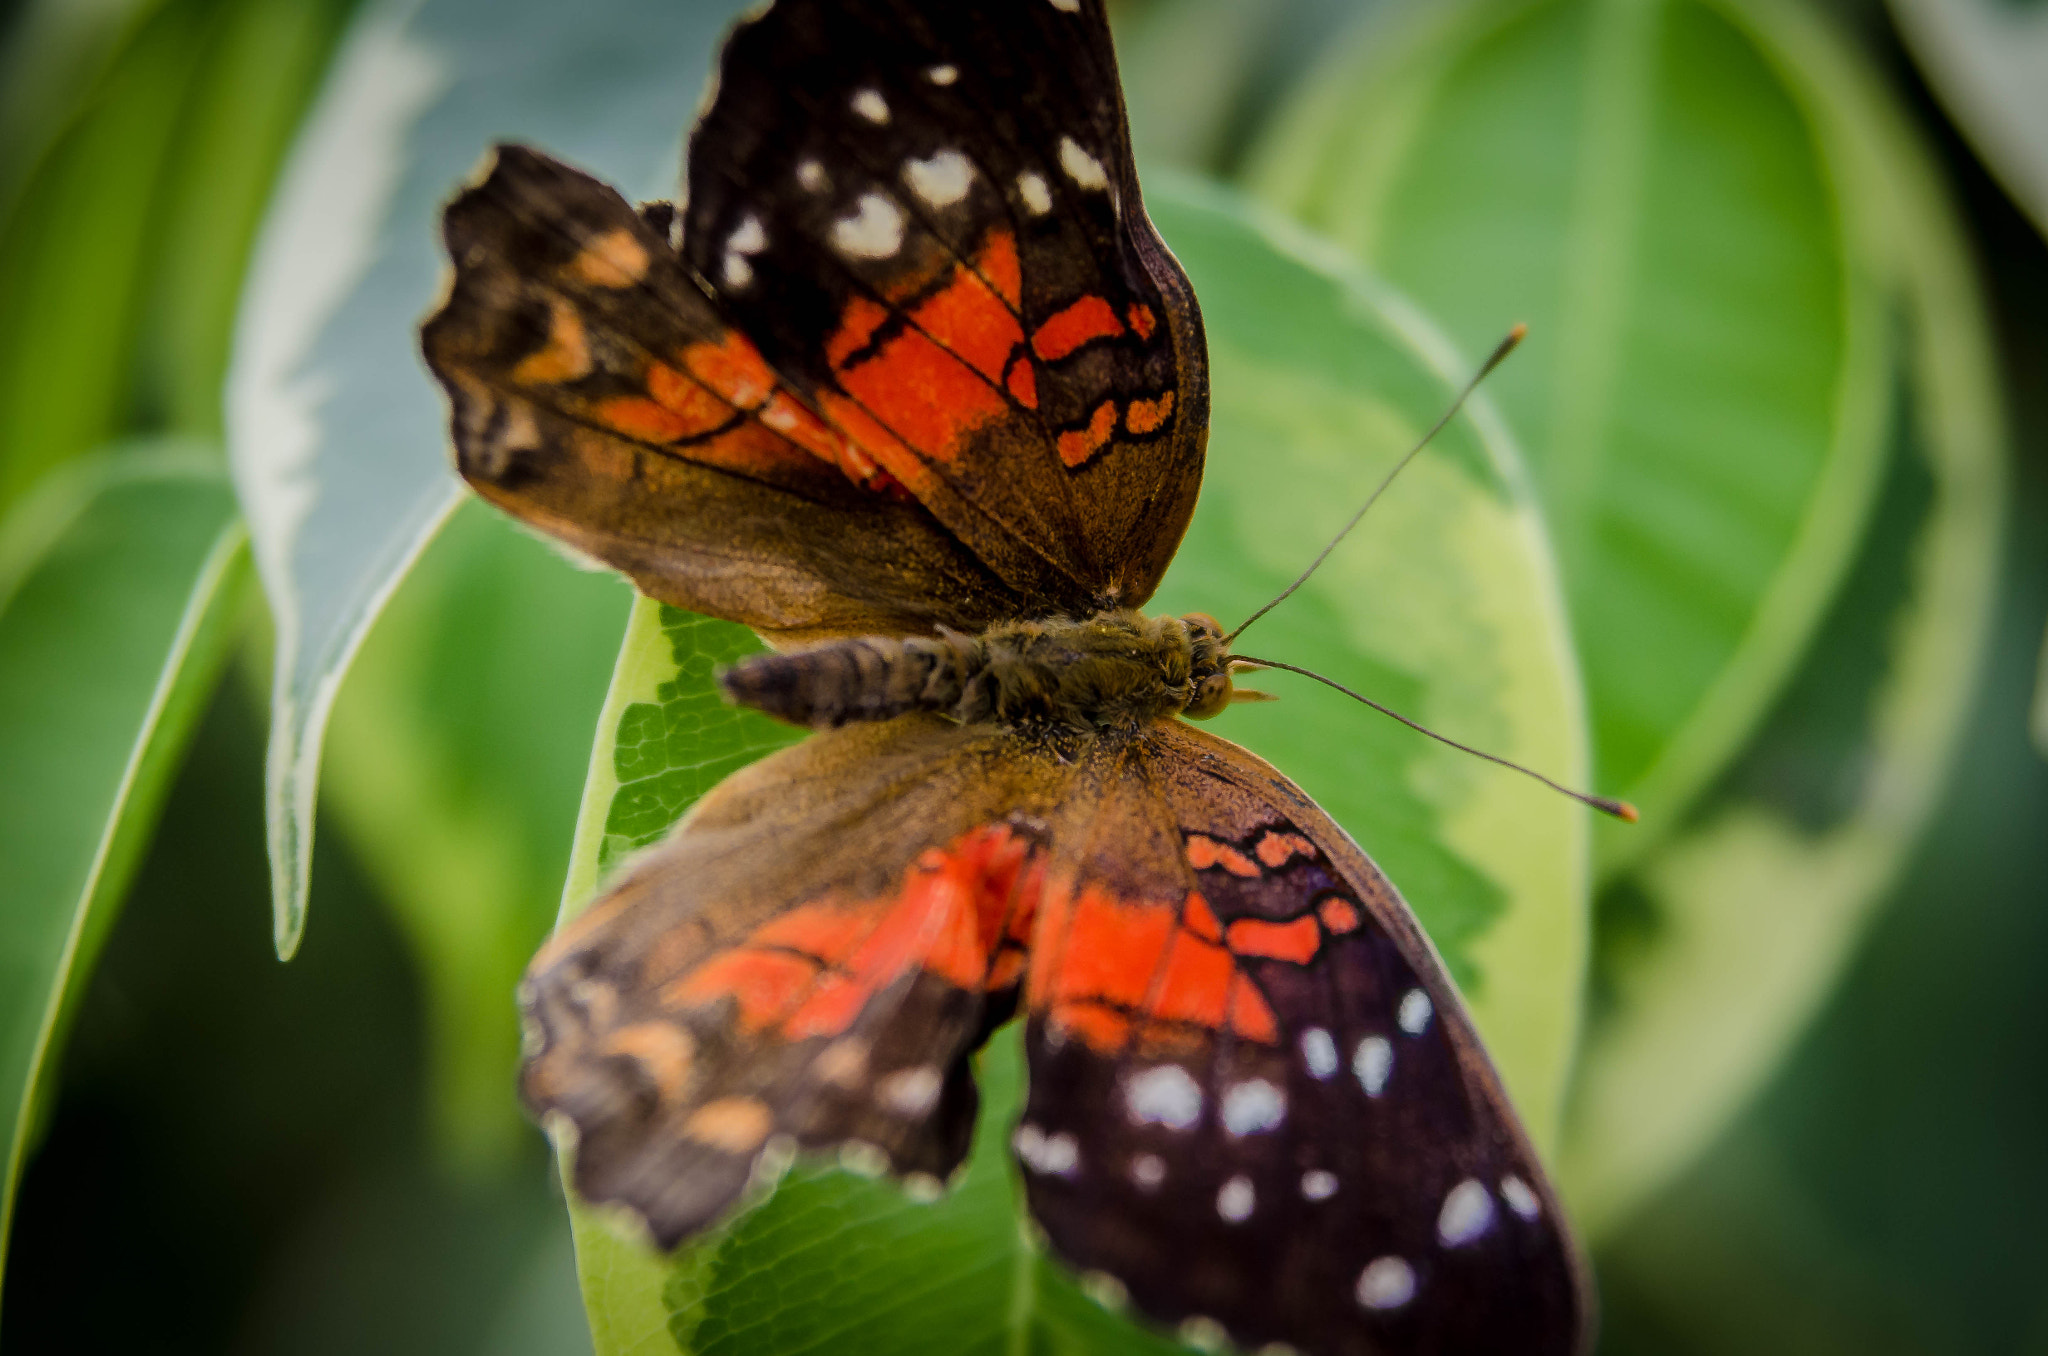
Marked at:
<point>1620,809</point>
<point>1518,332</point>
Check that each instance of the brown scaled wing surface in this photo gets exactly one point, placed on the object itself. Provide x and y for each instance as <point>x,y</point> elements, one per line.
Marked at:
<point>886,373</point>
<point>811,955</point>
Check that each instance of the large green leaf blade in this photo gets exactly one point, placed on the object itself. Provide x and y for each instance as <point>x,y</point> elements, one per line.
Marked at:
<point>335,428</point>
<point>1704,394</point>
<point>119,579</point>
<point>1729,935</point>
<point>1445,605</point>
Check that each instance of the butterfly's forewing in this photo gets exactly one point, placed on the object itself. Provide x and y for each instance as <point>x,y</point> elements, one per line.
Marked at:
<point>1255,1097</point>
<point>928,219</point>
<point>805,963</point>
<point>599,397</point>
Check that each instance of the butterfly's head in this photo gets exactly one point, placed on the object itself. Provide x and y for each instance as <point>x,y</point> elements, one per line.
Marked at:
<point>1209,668</point>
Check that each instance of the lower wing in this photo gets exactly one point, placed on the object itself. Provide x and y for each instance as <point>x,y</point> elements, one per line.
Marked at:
<point>1256,1098</point>
<point>805,963</point>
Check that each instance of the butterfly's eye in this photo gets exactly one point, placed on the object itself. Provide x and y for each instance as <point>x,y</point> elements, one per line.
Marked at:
<point>1212,694</point>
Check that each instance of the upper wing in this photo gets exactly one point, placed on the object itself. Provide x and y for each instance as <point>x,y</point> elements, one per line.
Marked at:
<point>599,396</point>
<point>1256,1098</point>
<point>927,218</point>
<point>913,353</point>
<point>732,999</point>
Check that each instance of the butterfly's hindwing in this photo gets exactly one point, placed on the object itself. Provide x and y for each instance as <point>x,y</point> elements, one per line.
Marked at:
<point>736,997</point>
<point>1272,1113</point>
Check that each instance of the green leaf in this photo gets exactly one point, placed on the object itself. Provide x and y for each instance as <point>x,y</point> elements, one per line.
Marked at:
<point>336,432</point>
<point>254,76</point>
<point>1988,62</point>
<point>117,580</point>
<point>459,751</point>
<point>120,257</point>
<point>1187,67</point>
<point>1443,604</point>
<point>74,253</point>
<point>1706,387</point>
<point>2039,720</point>
<point>1728,936</point>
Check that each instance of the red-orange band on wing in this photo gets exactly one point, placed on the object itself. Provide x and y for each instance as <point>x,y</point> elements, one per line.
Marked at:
<point>1088,319</point>
<point>961,913</point>
<point>1120,962</point>
<point>1079,445</point>
<point>1296,941</point>
<point>1339,915</point>
<point>1147,416</point>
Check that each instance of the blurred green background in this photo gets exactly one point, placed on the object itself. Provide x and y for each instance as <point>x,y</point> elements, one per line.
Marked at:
<point>222,1153</point>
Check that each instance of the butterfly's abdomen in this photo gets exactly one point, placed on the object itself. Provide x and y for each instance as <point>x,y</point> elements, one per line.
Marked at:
<point>868,678</point>
<point>1114,669</point>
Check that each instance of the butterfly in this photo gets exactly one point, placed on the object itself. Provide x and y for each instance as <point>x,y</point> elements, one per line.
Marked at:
<point>908,383</point>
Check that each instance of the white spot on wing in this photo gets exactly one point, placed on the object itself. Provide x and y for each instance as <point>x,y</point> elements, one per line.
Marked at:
<point>874,231</point>
<point>748,237</point>
<point>1372,1062</point>
<point>1319,1051</point>
<point>943,75</point>
<point>910,1092</point>
<point>1083,168</point>
<point>1317,1185</point>
<point>1520,1198</point>
<point>1031,187</point>
<point>941,180</point>
<point>1415,1012</point>
<point>1467,1213</point>
<point>1253,1106</point>
<point>1163,1095</point>
<point>1067,6</point>
<point>1236,1199</point>
<point>1148,1171</point>
<point>1054,1155</point>
<point>871,105</point>
<point>812,176</point>
<point>1388,1283</point>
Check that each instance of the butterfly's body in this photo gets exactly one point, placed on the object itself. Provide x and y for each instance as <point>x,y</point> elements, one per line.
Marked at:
<point>909,384</point>
<point>1108,673</point>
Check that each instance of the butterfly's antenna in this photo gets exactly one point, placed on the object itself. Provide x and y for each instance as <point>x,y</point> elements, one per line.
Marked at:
<point>1500,351</point>
<point>1620,809</point>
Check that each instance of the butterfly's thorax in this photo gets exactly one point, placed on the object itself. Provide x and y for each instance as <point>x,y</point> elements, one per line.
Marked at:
<point>1111,671</point>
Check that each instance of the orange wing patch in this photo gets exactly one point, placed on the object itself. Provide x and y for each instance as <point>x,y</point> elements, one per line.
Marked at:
<point>1125,970</point>
<point>1147,416</point>
<point>1296,941</point>
<point>565,356</point>
<point>923,390</point>
<point>962,913</point>
<point>1205,852</point>
<point>1086,320</point>
<point>613,260</point>
<point>1078,445</point>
